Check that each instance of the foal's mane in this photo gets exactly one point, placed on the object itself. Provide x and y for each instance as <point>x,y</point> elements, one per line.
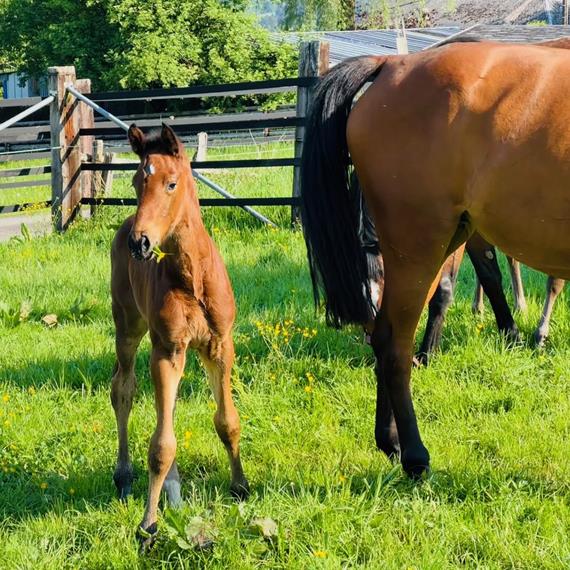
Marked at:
<point>154,143</point>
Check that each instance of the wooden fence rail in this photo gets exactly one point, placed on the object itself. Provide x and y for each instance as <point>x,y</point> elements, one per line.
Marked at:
<point>74,167</point>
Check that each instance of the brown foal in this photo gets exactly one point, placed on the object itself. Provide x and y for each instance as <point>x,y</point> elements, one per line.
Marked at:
<point>184,300</point>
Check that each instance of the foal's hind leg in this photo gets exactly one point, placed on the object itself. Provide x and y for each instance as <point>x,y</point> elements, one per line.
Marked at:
<point>218,360</point>
<point>130,328</point>
<point>554,287</point>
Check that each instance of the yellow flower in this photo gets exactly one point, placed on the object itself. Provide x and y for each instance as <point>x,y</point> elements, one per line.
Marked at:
<point>31,390</point>
<point>319,554</point>
<point>5,397</point>
<point>187,434</point>
<point>97,427</point>
<point>43,485</point>
<point>342,479</point>
<point>7,423</point>
<point>308,389</point>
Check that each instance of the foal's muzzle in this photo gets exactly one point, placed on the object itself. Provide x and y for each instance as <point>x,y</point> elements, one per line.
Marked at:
<point>141,247</point>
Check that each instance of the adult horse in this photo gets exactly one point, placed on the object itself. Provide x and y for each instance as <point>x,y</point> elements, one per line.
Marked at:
<point>470,137</point>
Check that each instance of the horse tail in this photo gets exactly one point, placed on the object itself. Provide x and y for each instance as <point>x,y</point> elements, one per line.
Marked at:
<point>337,260</point>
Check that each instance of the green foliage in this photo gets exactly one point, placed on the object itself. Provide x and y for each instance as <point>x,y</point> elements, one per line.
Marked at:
<point>142,43</point>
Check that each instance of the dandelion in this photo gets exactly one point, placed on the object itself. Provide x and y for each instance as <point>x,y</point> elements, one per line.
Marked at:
<point>5,398</point>
<point>342,479</point>
<point>187,434</point>
<point>319,554</point>
<point>308,389</point>
<point>479,327</point>
<point>43,485</point>
<point>97,427</point>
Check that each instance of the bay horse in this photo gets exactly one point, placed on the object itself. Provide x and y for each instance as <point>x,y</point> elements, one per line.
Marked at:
<point>469,137</point>
<point>183,300</point>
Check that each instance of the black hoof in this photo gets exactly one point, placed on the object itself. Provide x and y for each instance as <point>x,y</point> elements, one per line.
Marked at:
<point>240,491</point>
<point>146,537</point>
<point>124,483</point>
<point>512,336</point>
<point>420,359</point>
<point>388,444</point>
<point>539,340</point>
<point>415,463</point>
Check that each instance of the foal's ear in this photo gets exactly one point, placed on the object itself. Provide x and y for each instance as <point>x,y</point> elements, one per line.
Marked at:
<point>169,140</point>
<point>136,138</point>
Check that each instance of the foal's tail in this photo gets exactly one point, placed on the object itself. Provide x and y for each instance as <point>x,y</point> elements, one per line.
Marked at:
<point>330,222</point>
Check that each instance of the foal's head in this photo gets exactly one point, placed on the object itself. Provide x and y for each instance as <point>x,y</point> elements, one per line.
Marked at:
<point>162,182</point>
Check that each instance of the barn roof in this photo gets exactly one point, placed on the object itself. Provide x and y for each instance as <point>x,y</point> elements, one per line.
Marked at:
<point>344,44</point>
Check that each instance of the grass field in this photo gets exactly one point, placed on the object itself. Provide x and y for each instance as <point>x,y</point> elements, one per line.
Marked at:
<point>496,421</point>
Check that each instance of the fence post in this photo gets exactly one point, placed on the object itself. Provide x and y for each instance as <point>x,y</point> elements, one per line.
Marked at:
<point>202,152</point>
<point>65,153</point>
<point>313,61</point>
<point>86,120</point>
<point>97,180</point>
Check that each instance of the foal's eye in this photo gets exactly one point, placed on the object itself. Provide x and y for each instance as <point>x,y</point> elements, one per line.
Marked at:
<point>171,186</point>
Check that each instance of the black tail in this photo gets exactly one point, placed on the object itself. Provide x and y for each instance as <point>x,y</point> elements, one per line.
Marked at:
<point>330,221</point>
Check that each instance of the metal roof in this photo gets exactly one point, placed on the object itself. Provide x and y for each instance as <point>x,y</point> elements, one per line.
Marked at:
<point>344,44</point>
<point>516,34</point>
<point>351,43</point>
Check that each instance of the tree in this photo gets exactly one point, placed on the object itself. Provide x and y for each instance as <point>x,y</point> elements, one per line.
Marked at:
<point>142,43</point>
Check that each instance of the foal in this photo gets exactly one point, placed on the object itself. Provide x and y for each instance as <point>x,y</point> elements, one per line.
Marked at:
<point>184,301</point>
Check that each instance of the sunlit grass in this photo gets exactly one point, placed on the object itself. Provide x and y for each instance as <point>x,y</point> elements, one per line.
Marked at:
<point>494,418</point>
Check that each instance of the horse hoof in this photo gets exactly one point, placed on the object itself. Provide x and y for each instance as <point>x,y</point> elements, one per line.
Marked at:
<point>416,464</point>
<point>125,492</point>
<point>390,446</point>
<point>147,537</point>
<point>420,359</point>
<point>240,491</point>
<point>539,340</point>
<point>124,482</point>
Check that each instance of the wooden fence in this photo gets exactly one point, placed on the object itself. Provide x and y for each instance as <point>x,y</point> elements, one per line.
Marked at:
<point>74,136</point>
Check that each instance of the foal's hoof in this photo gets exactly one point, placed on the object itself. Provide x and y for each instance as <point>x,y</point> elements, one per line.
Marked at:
<point>240,491</point>
<point>147,537</point>
<point>124,483</point>
<point>415,463</point>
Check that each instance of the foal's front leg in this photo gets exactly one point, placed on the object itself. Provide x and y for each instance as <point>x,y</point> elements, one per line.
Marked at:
<point>167,366</point>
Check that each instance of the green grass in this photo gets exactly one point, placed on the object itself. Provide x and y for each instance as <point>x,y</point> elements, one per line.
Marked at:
<point>494,418</point>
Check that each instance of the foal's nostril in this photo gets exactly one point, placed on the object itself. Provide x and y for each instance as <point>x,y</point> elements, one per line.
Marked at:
<point>144,245</point>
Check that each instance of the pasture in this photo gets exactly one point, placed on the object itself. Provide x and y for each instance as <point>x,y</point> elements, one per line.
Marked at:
<point>495,419</point>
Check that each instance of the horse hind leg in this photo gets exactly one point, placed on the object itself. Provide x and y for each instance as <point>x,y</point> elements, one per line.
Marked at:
<point>484,259</point>
<point>130,328</point>
<point>439,305</point>
<point>517,285</point>
<point>554,287</point>
<point>218,362</point>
